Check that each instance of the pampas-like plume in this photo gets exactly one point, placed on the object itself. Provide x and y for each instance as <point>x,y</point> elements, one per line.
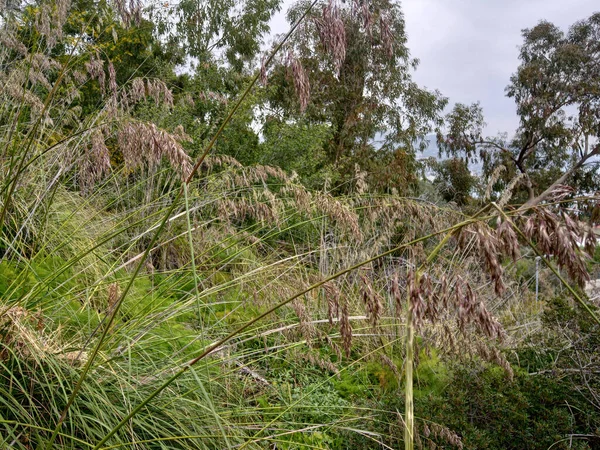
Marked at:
<point>492,180</point>
<point>50,19</point>
<point>397,295</point>
<point>372,300</point>
<point>14,88</point>
<point>362,8</point>
<point>341,214</point>
<point>263,72</point>
<point>136,92</point>
<point>213,96</point>
<point>129,13</point>
<point>361,180</point>
<point>552,237</point>
<point>332,294</point>
<point>301,83</point>
<point>95,163</point>
<point>489,247</point>
<point>429,301</point>
<point>387,36</point>
<point>509,243</point>
<point>332,34</point>
<point>79,77</point>
<point>95,68</point>
<point>490,250</point>
<point>114,292</point>
<point>493,355</point>
<point>316,360</point>
<point>23,335</point>
<point>443,433</point>
<point>11,42</point>
<point>508,192</point>
<point>112,79</point>
<point>144,143</point>
<point>306,327</point>
<point>141,88</point>
<point>560,192</point>
<point>158,91</point>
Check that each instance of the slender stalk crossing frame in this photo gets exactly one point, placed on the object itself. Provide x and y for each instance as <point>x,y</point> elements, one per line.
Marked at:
<point>159,231</point>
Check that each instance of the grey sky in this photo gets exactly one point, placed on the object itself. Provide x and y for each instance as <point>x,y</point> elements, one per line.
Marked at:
<point>468,49</point>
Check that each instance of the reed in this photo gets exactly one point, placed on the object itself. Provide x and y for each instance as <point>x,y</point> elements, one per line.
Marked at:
<point>135,295</point>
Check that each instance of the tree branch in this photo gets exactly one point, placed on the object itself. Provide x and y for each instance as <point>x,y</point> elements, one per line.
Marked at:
<point>561,180</point>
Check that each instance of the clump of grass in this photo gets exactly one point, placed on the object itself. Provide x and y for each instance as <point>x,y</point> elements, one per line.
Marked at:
<point>134,314</point>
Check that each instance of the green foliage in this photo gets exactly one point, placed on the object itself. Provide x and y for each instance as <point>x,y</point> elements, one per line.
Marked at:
<point>431,376</point>
<point>133,51</point>
<point>555,89</point>
<point>235,29</point>
<point>525,269</point>
<point>489,412</point>
<point>363,96</point>
<point>324,405</point>
<point>297,147</point>
<point>454,180</point>
<point>303,440</point>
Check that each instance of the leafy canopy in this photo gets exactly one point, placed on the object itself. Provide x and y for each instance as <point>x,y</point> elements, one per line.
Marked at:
<point>556,89</point>
<point>351,69</point>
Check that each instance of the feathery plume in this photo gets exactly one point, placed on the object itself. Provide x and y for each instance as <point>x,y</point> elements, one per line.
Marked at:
<point>387,36</point>
<point>508,191</point>
<point>112,79</point>
<point>95,68</point>
<point>372,300</point>
<point>545,229</point>
<point>143,143</point>
<point>332,34</point>
<point>301,83</point>
<point>95,163</point>
<point>263,72</point>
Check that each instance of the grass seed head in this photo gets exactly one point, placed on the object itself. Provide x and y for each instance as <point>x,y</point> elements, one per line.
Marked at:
<point>332,34</point>
<point>301,83</point>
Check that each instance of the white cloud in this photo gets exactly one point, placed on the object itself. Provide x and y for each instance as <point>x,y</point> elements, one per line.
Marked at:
<point>469,48</point>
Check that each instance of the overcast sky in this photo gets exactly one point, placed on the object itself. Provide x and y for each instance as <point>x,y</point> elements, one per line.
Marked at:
<point>468,49</point>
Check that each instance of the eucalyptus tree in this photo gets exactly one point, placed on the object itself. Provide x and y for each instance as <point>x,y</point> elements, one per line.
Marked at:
<point>349,67</point>
<point>454,180</point>
<point>556,89</point>
<point>230,30</point>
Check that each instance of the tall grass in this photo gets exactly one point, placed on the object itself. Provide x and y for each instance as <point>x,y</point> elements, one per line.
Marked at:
<point>160,302</point>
